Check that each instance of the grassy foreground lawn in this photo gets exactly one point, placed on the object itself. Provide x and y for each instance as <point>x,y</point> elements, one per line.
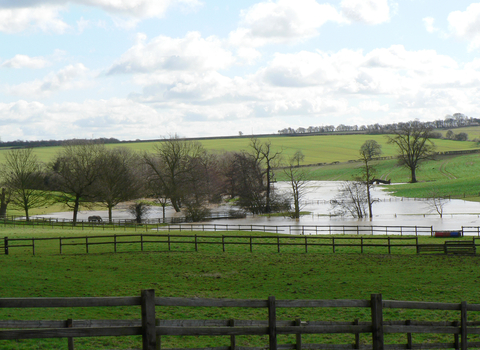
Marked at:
<point>213,274</point>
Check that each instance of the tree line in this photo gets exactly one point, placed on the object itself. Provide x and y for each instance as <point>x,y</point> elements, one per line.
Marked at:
<point>183,174</point>
<point>178,172</point>
<point>450,121</point>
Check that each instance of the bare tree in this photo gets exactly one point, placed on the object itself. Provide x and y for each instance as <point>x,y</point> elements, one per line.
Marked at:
<point>75,170</point>
<point>139,210</point>
<point>435,202</point>
<point>297,178</point>
<point>298,157</point>
<point>263,154</point>
<point>414,145</point>
<point>169,166</point>
<point>351,199</point>
<point>23,176</point>
<point>368,151</point>
<point>245,178</point>
<point>118,177</point>
<point>4,201</point>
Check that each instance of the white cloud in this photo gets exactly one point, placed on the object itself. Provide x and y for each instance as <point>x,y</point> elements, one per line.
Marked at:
<point>282,21</point>
<point>466,25</point>
<point>71,77</point>
<point>138,8</point>
<point>373,106</point>
<point>398,57</point>
<point>24,61</point>
<point>192,53</point>
<point>17,16</point>
<point>45,18</point>
<point>428,23</point>
<point>366,11</point>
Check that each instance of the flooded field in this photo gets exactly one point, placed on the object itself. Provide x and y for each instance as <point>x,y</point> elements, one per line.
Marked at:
<point>388,210</point>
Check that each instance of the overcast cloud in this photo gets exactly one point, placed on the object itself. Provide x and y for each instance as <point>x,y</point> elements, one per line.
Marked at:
<point>143,69</point>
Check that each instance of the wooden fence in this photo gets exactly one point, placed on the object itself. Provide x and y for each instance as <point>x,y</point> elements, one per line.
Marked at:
<point>152,329</point>
<point>308,229</point>
<point>177,242</point>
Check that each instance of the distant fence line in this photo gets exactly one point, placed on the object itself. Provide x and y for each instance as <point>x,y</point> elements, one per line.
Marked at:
<point>49,221</point>
<point>279,229</point>
<point>307,229</point>
<point>186,243</point>
<point>384,200</point>
<point>373,329</point>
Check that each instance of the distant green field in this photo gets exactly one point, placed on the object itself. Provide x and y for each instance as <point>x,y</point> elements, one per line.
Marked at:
<point>317,149</point>
<point>472,131</point>
<point>454,176</point>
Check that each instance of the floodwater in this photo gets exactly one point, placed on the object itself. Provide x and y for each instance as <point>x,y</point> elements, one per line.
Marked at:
<point>388,211</point>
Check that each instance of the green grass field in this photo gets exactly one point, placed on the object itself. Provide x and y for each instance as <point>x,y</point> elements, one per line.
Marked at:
<point>235,274</point>
<point>454,176</point>
<point>317,149</point>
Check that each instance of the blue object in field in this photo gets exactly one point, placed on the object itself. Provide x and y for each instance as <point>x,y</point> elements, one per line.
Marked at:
<point>448,233</point>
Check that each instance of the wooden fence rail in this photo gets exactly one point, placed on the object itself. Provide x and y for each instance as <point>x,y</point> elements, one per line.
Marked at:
<point>308,229</point>
<point>152,329</point>
<point>177,242</point>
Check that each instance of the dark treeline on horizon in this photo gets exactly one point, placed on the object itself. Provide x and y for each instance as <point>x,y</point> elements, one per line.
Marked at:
<point>48,143</point>
<point>456,120</point>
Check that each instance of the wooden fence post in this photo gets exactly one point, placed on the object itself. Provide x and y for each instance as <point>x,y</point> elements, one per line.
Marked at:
<point>158,346</point>
<point>272,323</point>
<point>71,346</point>
<point>149,338</point>
<point>409,336</point>
<point>463,324</point>
<point>357,336</point>
<point>377,321</point>
<point>5,240</point>
<point>233,340</point>
<point>298,342</point>
<point>456,338</point>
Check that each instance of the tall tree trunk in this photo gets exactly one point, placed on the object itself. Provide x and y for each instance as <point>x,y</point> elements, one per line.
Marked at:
<point>110,206</point>
<point>75,209</point>
<point>3,203</point>
<point>175,204</point>
<point>369,199</point>
<point>267,199</point>
<point>414,176</point>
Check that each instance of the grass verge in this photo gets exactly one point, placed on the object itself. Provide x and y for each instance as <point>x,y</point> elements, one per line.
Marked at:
<point>212,273</point>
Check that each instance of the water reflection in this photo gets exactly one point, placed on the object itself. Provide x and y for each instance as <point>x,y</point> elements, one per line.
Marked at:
<point>388,211</point>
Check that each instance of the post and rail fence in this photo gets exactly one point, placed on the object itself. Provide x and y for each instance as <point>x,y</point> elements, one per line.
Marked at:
<point>365,334</point>
<point>235,243</point>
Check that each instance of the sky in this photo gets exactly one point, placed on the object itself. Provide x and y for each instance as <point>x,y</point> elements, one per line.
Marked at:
<point>149,69</point>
